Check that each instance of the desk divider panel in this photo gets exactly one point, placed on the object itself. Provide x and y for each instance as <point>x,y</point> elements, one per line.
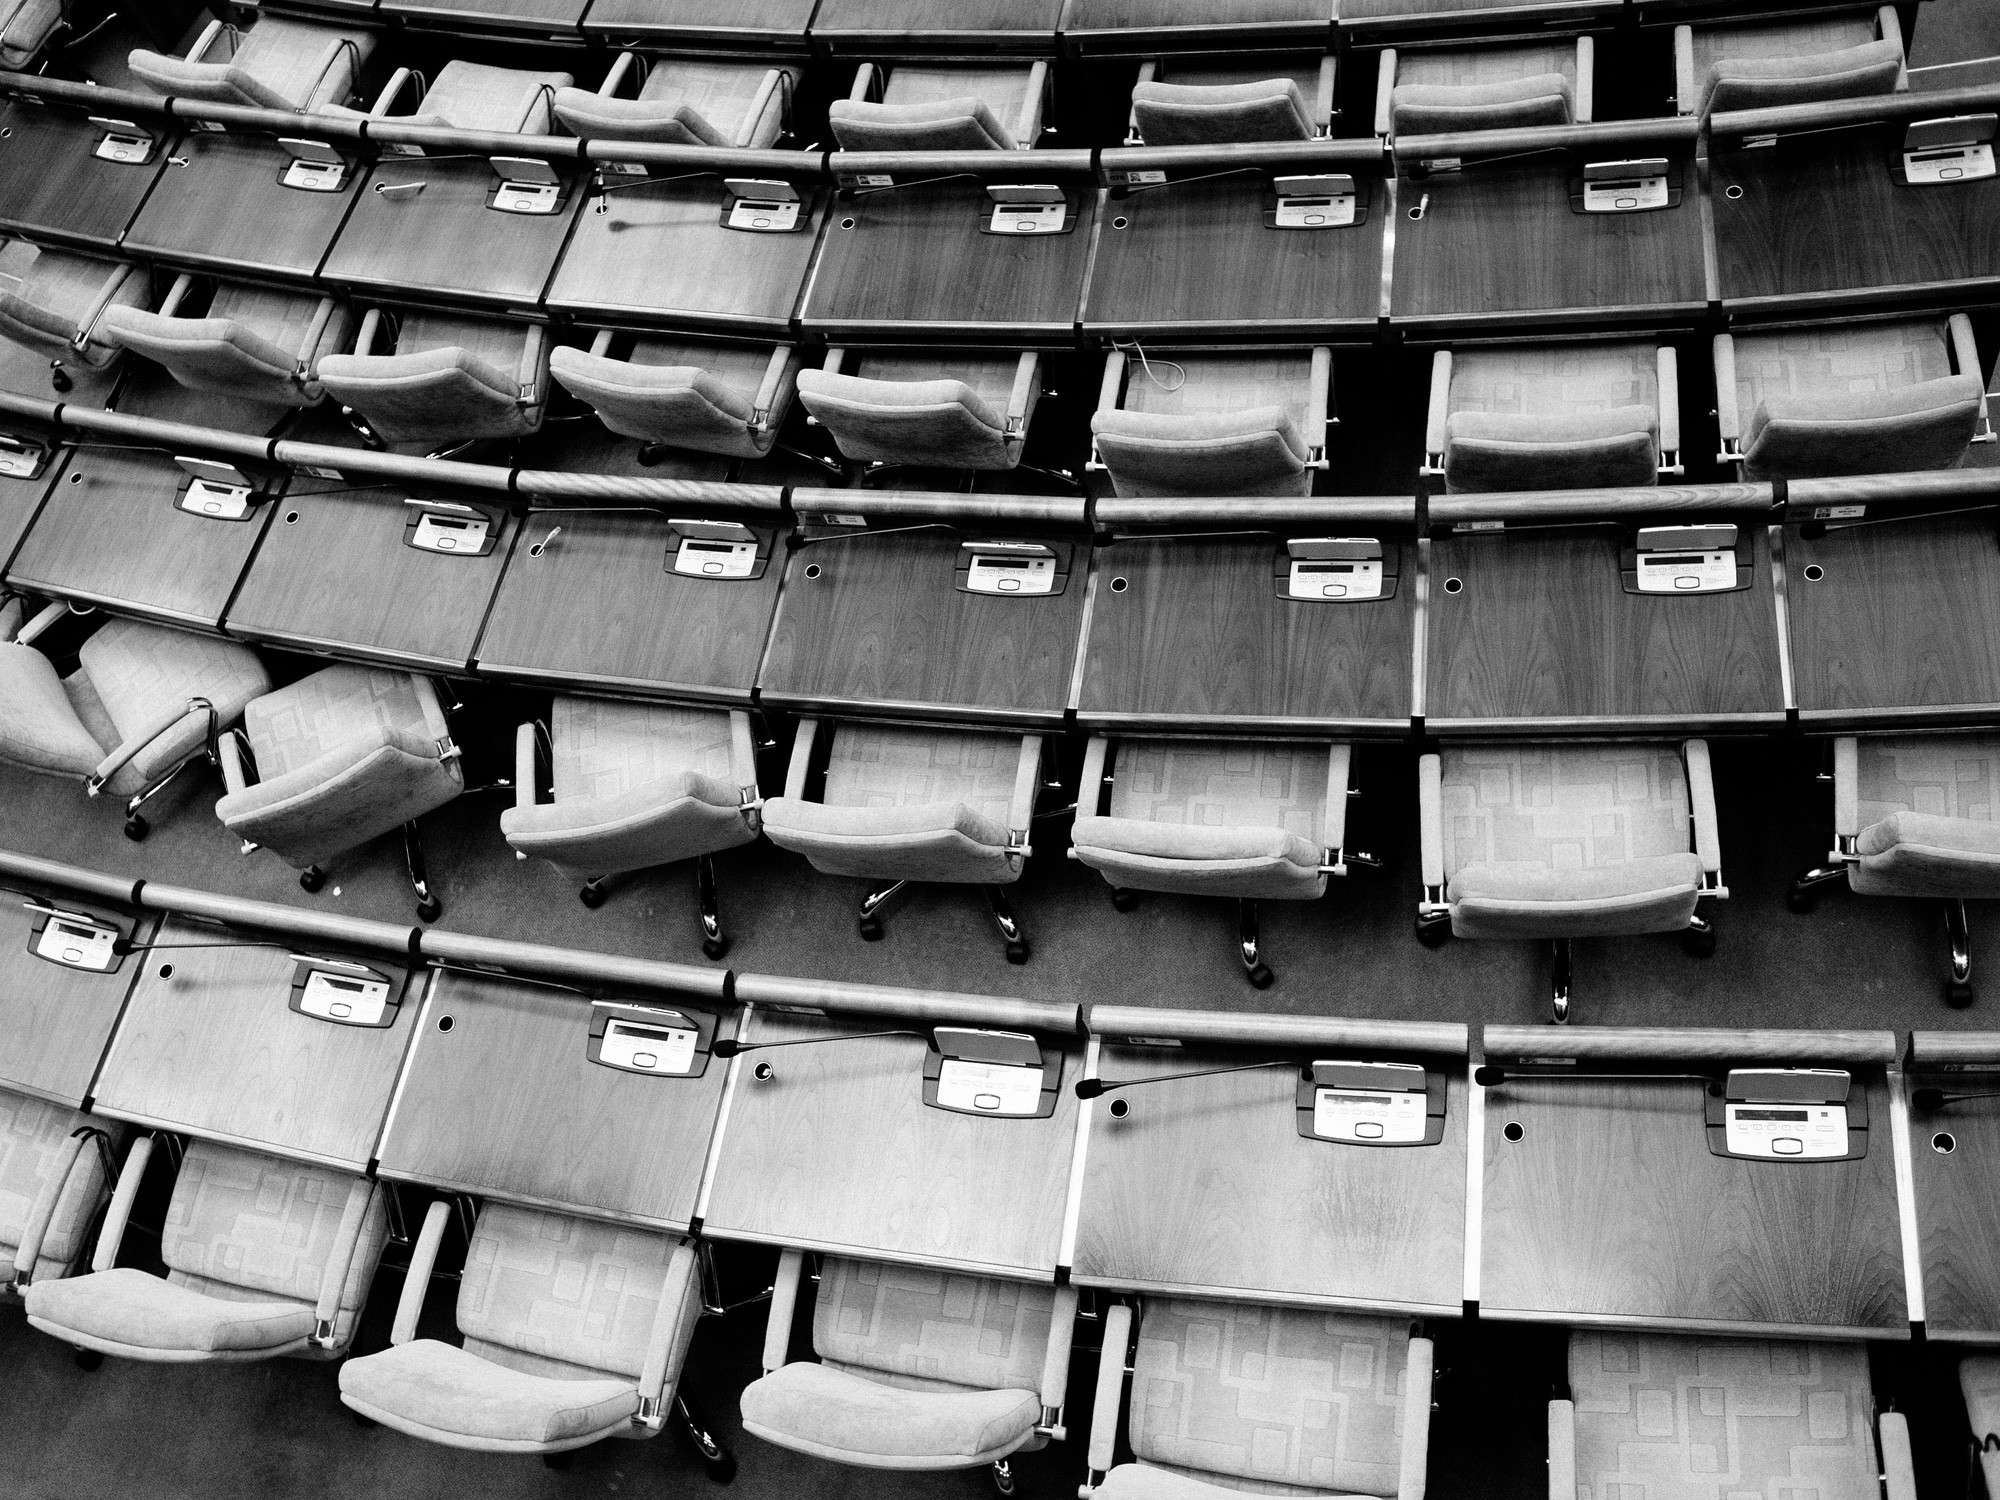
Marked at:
<point>1955,1177</point>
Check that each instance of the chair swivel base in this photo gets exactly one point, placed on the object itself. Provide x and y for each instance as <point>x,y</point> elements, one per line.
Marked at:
<point>1433,928</point>
<point>997,905</point>
<point>1802,897</point>
<point>1258,973</point>
<point>1004,1481</point>
<point>1958,989</point>
<point>1561,976</point>
<point>714,1455</point>
<point>429,907</point>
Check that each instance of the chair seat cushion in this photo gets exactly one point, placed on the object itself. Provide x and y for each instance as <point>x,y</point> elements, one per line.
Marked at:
<point>1769,82</point>
<point>1486,451</point>
<point>448,394</point>
<point>1145,1482</point>
<point>941,422</point>
<point>1201,114</point>
<point>1925,425</point>
<point>476,96</point>
<point>663,122</point>
<point>1521,899</point>
<point>1255,451</point>
<point>937,841</point>
<point>140,672</point>
<point>1505,104</point>
<point>965,124</point>
<point>1191,841</point>
<point>842,1416</point>
<point>678,404</point>
<point>1919,854</point>
<point>441,1392</point>
<point>1199,860</point>
<point>675,817</point>
<point>137,1313</point>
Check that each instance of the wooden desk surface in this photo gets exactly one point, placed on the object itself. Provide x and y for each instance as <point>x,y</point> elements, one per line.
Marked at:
<point>109,533</point>
<point>1199,638</point>
<point>52,187</point>
<point>1543,630</point>
<point>1500,246</point>
<point>1821,219</point>
<point>1373,17</point>
<point>55,1020</point>
<point>839,1152</point>
<point>742,22</point>
<point>339,578</point>
<point>883,626</point>
<point>1018,23</point>
<point>20,502</point>
<point>1957,1208</point>
<point>1904,621</point>
<point>662,254</point>
<point>601,608</point>
<point>227,209</point>
<point>914,260</point>
<point>1197,260</point>
<point>445,241</point>
<point>1610,1208</point>
<point>1094,24</point>
<point>508,1102</point>
<point>556,20</point>
<point>210,1046</point>
<point>1207,1189</point>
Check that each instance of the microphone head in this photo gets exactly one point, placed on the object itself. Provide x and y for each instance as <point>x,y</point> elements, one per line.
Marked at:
<point>726,1047</point>
<point>1928,1099</point>
<point>1486,1078</point>
<point>123,946</point>
<point>1089,1088</point>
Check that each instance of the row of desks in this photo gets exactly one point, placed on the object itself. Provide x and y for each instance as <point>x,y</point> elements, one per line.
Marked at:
<point>1543,1199</point>
<point>1813,225</point>
<point>1892,622</point>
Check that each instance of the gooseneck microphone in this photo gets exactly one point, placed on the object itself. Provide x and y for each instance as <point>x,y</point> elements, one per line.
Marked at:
<point>1491,1077</point>
<point>726,1047</point>
<point>1928,1100</point>
<point>1090,1088</point>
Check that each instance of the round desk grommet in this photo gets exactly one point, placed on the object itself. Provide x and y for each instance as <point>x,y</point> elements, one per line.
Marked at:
<point>1454,585</point>
<point>1944,1143</point>
<point>1814,572</point>
<point>1512,1130</point>
<point>445,1023</point>
<point>1119,585</point>
<point>1734,190</point>
<point>812,570</point>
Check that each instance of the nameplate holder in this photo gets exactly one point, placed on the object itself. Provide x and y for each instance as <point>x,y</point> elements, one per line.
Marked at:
<point>762,206</point>
<point>1011,568</point>
<point>1028,208</point>
<point>1336,569</point>
<point>75,940</point>
<point>1837,512</point>
<point>312,166</point>
<point>1638,185</point>
<point>1469,528</point>
<point>1955,148</point>
<point>1371,1103</point>
<point>22,458</point>
<point>657,1040</point>
<point>723,550</point>
<point>1787,1114</point>
<point>344,992</point>
<point>1001,1074</point>
<point>1121,178</point>
<point>216,491</point>
<point>1331,201</point>
<point>1712,559</point>
<point>122,143</point>
<point>450,528</point>
<point>524,185</point>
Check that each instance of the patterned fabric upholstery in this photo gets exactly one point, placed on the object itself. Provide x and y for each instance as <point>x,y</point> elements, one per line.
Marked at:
<point>473,96</point>
<point>47,295</point>
<point>32,1133</point>
<point>1281,1400</point>
<point>295,725</point>
<point>1928,808</point>
<point>693,396</point>
<point>1223,424</point>
<point>879,765</point>
<point>24,26</point>
<point>1797,62</point>
<point>930,1330</point>
<point>1208,383</point>
<point>686,102</point>
<point>605,748</point>
<point>1182,113</point>
<point>1683,1418</point>
<point>276,64</point>
<point>937,109</point>
<point>919,410</point>
<point>1483,88</point>
<point>250,343</point>
<point>451,378</point>
<point>1552,416</point>
<point>139,673</point>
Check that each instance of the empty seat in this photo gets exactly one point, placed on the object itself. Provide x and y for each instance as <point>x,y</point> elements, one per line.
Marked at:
<point>264,1258</point>
<point>1553,416</point>
<point>636,785</point>
<point>918,1369</point>
<point>253,342</point>
<point>54,301</point>
<point>1860,398</point>
<point>144,702</point>
<point>1801,61</point>
<point>1229,1396</point>
<point>475,96</point>
<point>1213,424</point>
<point>575,1331</point>
<point>683,101</point>
<point>452,379</point>
<point>958,411</point>
<point>904,804</point>
<point>340,757</point>
<point>53,1180</point>
<point>276,63</point>
<point>715,398</point>
<point>941,107</point>
<point>1425,92</point>
<point>1191,104</point>
<point>1564,841</point>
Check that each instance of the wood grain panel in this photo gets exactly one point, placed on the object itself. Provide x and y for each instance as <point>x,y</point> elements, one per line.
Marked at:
<point>54,1021</point>
<point>1200,635</point>
<point>1088,21</point>
<point>1611,1206</point>
<point>339,578</point>
<point>884,625</point>
<point>1197,259</point>
<point>743,22</point>
<point>210,1046</point>
<point>540,16</point>
<point>227,209</point>
<point>109,533</point>
<point>601,606</point>
<point>839,1151</point>
<point>1958,1208</point>
<point>1025,21</point>
<point>1207,1187</point>
<point>1906,616</point>
<point>1822,214</point>
<point>1543,629</point>
<point>52,187</point>
<point>1468,13</point>
<point>20,503</point>
<point>508,1102</point>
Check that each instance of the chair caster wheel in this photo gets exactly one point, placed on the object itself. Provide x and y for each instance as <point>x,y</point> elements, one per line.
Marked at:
<point>1125,900</point>
<point>136,828</point>
<point>61,381</point>
<point>312,879</point>
<point>591,896</point>
<point>1801,902</point>
<point>1698,944</point>
<point>558,1460</point>
<point>714,947</point>
<point>89,1359</point>
<point>721,1470</point>
<point>651,454</point>
<point>1260,977</point>
<point>1433,934</point>
<point>1004,1480</point>
<point>430,911</point>
<point>1957,994</point>
<point>1017,952</point>
<point>871,929</point>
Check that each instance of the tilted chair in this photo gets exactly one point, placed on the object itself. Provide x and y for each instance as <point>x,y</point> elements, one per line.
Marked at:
<point>56,1167</point>
<point>1257,821</point>
<point>959,411</point>
<point>1177,104</point>
<point>1553,416</point>
<point>683,101</point>
<point>340,757</point>
<point>575,1331</point>
<point>1213,424</point>
<point>1916,815</point>
<point>473,96</point>
<point>1423,92</point>
<point>918,1369</point>
<point>1228,1396</point>
<point>1710,1418</point>
<point>274,64</point>
<point>714,398</point>
<point>1860,398</point>
<point>637,785</point>
<point>452,380</point>
<point>941,107</point>
<point>1805,61</point>
<point>256,343</point>
<point>54,301</point>
<point>144,703</point>
<point>905,804</point>
<point>264,1258</point>
<point>1566,841</point>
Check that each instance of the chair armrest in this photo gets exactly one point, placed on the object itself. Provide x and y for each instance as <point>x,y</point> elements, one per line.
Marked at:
<point>1055,1363</point>
<point>398,81</point>
<point>1846,788</point>
<point>1329,71</point>
<point>533,373</point>
<point>1899,1470</point>
<point>45,620</point>
<point>1319,400</point>
<point>623,65</point>
<point>1701,804</point>
<point>773,384</point>
<point>417,1280</point>
<point>1562,1445</point>
<point>1021,399</point>
<point>835,358</point>
<point>525,767</point>
<point>743,766</point>
<point>230,753</point>
<point>1110,1392</point>
<point>759,102</point>
<point>208,38</point>
<point>113,284</point>
<point>112,1234</point>
<point>1728,419</point>
<point>1090,782</point>
<point>176,294</point>
<point>1668,364</point>
<point>1385,87</point>
<point>802,749</point>
<point>1148,71</point>
<point>1965,354</point>
<point>333,1279</point>
<point>315,331</point>
<point>1027,779</point>
<point>1339,773</point>
<point>1414,1469</point>
<point>1028,123</point>
<point>1586,79</point>
<point>1430,814</point>
<point>867,79</point>
<point>1440,412</point>
<point>1684,79</point>
<point>166,721</point>
<point>680,1307</point>
<point>370,330</point>
<point>43,1211</point>
<point>1891,27</point>
<point>784,1301</point>
<point>1111,385</point>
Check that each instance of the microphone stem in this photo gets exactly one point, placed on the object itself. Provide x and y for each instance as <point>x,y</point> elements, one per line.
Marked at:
<point>1279,1062</point>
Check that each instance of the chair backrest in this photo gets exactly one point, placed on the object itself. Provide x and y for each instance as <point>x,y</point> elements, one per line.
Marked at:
<point>1618,446</point>
<point>941,422</point>
<point>1256,451</point>
<point>932,1330</point>
<point>474,96</point>
<point>1201,114</point>
<point>32,1132</point>
<point>679,404</point>
<point>1503,104</point>
<point>1900,429</point>
<point>1806,78</point>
